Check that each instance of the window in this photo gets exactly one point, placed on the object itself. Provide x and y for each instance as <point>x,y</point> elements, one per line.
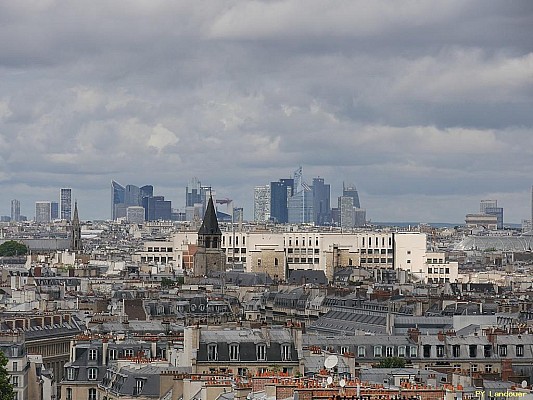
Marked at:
<point>128,353</point>
<point>426,350</point>
<point>285,352</point>
<point>261,352</point>
<point>487,351</point>
<point>15,365</point>
<point>389,351</point>
<point>69,393</point>
<point>447,270</point>
<point>377,351</point>
<point>472,350</point>
<point>440,350</point>
<point>234,352</point>
<point>92,394</point>
<point>70,374</point>
<point>212,353</point>
<point>401,351</point>
<point>112,354</point>
<point>139,384</point>
<point>456,350</point>
<point>503,350</point>
<point>430,271</point>
<point>473,368</point>
<point>15,381</point>
<point>520,350</point>
<point>488,368</point>
<point>92,374</point>
<point>414,351</point>
<point>361,351</point>
<point>93,354</point>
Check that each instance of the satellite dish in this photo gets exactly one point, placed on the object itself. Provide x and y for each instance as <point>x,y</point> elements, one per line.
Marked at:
<point>329,380</point>
<point>342,383</point>
<point>524,384</point>
<point>331,361</point>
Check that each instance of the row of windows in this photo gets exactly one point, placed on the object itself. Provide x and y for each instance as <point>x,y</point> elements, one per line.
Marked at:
<point>297,260</point>
<point>234,352</point>
<point>472,350</point>
<point>160,249</point>
<point>387,351</point>
<point>236,241</point>
<point>91,394</point>
<point>114,353</point>
<point>438,270</point>
<point>438,280</point>
<point>434,261</point>
<point>376,251</point>
<point>157,259</point>
<point>376,260</point>
<point>376,242</point>
<point>303,251</point>
<point>297,242</point>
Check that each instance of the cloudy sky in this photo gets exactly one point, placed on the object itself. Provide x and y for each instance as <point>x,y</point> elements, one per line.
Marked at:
<point>427,106</point>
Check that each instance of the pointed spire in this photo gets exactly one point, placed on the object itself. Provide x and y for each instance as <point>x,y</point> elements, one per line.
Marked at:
<point>210,223</point>
<point>75,240</point>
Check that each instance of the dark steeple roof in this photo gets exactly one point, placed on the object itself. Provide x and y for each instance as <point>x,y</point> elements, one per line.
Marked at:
<point>210,223</point>
<point>75,240</point>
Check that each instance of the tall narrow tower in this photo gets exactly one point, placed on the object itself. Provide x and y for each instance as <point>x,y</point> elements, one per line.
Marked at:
<point>75,234</point>
<point>209,256</point>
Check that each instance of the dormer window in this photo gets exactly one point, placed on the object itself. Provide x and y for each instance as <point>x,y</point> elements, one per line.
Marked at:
<point>93,354</point>
<point>261,352</point>
<point>70,374</point>
<point>212,352</point>
<point>285,352</point>
<point>234,352</point>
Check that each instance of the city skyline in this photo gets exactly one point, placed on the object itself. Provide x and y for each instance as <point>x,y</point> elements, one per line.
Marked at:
<point>424,106</point>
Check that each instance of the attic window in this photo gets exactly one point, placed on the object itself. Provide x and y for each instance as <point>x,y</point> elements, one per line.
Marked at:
<point>261,352</point>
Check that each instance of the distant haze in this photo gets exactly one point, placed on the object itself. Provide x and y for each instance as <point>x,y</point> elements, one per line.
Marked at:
<point>427,106</point>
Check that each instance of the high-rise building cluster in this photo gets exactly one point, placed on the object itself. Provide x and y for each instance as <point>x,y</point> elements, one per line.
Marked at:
<point>138,204</point>
<point>46,211</point>
<point>293,201</point>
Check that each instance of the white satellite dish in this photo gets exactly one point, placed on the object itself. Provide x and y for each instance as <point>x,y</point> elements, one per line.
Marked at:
<point>329,380</point>
<point>524,384</point>
<point>342,383</point>
<point>331,361</point>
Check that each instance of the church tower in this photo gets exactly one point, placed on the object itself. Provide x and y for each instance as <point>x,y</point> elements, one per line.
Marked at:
<point>209,256</point>
<point>75,234</point>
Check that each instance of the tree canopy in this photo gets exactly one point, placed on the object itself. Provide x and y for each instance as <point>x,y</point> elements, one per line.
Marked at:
<point>12,248</point>
<point>6,389</point>
<point>392,362</point>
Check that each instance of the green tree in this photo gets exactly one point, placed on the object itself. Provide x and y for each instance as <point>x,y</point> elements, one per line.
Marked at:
<point>167,282</point>
<point>12,248</point>
<point>392,362</point>
<point>6,389</point>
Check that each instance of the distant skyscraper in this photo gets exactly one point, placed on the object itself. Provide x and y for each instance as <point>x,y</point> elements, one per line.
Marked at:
<point>15,210</point>
<point>159,209</point>
<point>321,202</point>
<point>484,204</point>
<point>262,203</point>
<point>350,190</point>
<point>54,210</point>
<point>132,196</point>
<point>42,211</point>
<point>300,204</point>
<point>193,193</point>
<point>65,204</point>
<point>346,210</point>
<point>279,194</point>
<point>117,198</point>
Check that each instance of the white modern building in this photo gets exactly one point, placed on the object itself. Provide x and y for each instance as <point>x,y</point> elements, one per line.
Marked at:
<point>302,250</point>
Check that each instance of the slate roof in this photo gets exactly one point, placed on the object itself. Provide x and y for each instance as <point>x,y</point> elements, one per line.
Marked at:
<point>301,276</point>
<point>342,322</point>
<point>210,222</point>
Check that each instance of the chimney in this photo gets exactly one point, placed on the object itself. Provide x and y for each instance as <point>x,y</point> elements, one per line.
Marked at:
<point>440,336</point>
<point>413,334</point>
